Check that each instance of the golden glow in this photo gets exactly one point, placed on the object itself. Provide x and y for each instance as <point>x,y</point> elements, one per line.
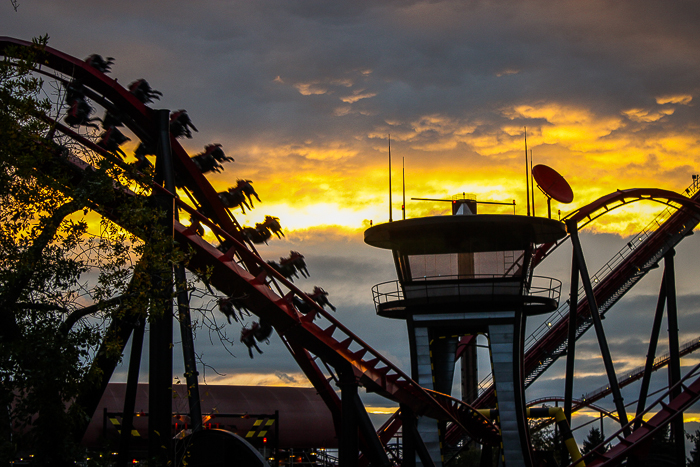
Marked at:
<point>344,181</point>
<point>677,99</point>
<point>309,89</point>
<point>358,95</point>
<point>589,413</point>
<point>319,87</point>
<point>297,380</point>
<point>318,214</point>
<point>381,410</point>
<point>647,115</point>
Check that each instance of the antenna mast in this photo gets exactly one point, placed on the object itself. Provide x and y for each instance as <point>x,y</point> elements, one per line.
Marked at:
<point>390,219</point>
<point>527,177</point>
<point>403,173</point>
<point>532,180</point>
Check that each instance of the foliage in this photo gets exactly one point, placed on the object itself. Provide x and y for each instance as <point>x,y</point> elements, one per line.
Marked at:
<point>662,450</point>
<point>594,438</point>
<point>58,254</point>
<point>547,443</point>
<point>694,459</point>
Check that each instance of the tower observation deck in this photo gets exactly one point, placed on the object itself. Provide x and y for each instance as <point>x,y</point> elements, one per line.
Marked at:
<point>462,275</point>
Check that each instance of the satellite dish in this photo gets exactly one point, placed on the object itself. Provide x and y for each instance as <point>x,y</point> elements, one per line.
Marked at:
<point>552,185</point>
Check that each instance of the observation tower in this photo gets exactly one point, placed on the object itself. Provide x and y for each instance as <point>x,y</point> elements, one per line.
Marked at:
<point>460,275</point>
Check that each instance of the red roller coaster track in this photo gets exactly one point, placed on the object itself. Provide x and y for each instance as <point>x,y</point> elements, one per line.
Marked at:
<point>241,268</point>
<point>612,282</point>
<point>335,345</point>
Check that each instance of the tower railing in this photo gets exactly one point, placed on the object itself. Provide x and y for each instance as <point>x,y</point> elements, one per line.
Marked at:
<point>464,285</point>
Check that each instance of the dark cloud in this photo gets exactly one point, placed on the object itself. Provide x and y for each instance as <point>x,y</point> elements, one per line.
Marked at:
<point>275,80</point>
<point>454,57</point>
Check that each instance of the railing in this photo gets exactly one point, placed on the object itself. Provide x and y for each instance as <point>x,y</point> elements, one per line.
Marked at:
<point>465,286</point>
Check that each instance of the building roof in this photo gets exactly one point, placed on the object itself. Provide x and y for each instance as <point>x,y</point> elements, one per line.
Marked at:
<point>464,234</point>
<point>304,419</point>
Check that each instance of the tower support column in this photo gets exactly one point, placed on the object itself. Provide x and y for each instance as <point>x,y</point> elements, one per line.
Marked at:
<point>506,353</point>
<point>426,428</point>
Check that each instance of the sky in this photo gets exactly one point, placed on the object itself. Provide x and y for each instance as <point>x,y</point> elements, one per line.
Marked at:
<point>305,95</point>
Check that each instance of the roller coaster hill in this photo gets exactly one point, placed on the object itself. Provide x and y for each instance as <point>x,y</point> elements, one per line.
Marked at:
<point>432,427</point>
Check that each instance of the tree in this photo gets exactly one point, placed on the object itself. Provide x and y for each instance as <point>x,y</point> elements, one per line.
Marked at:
<point>546,444</point>
<point>594,439</point>
<point>66,270</point>
<point>694,460</point>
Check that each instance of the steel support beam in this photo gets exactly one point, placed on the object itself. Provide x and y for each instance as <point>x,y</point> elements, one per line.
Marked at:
<point>600,332</point>
<point>107,359</point>
<point>422,372</point>
<point>674,365</point>
<point>571,341</point>
<point>374,448</point>
<point>413,445</point>
<point>408,431</point>
<point>651,352</point>
<point>570,347</point>
<point>161,325</point>
<point>348,446</point>
<point>132,383</point>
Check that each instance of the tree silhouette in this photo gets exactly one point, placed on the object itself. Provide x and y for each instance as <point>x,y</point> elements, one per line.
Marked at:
<point>68,273</point>
<point>593,439</point>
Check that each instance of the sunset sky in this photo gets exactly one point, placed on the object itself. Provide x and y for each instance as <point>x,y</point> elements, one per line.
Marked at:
<point>304,96</point>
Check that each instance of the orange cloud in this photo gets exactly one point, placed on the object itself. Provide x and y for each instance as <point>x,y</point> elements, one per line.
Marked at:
<point>297,379</point>
<point>358,95</point>
<point>647,115</point>
<point>344,182</point>
<point>310,89</point>
<point>677,99</point>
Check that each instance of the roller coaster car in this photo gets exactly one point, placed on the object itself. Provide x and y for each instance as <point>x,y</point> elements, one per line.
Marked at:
<point>143,91</point>
<point>180,124</point>
<point>100,64</point>
<point>210,160</point>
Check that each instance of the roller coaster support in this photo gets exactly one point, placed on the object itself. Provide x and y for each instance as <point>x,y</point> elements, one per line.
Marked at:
<point>412,442</point>
<point>598,325</point>
<point>161,324</point>
<point>651,353</point>
<point>408,427</point>
<point>356,426</point>
<point>185,320</point>
<point>107,359</point>
<point>130,396</point>
<point>348,447</point>
<point>667,297</point>
<point>571,342</point>
<point>674,366</point>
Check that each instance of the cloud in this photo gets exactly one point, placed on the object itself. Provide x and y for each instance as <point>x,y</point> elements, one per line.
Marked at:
<point>304,95</point>
<point>598,86</point>
<point>277,378</point>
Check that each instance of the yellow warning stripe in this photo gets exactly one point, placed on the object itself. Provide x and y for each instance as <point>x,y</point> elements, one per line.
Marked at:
<point>117,424</point>
<point>260,427</point>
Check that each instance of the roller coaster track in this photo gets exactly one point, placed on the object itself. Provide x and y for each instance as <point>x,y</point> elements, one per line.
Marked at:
<point>242,270</point>
<point>588,399</point>
<point>549,342</point>
<point>626,446</point>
